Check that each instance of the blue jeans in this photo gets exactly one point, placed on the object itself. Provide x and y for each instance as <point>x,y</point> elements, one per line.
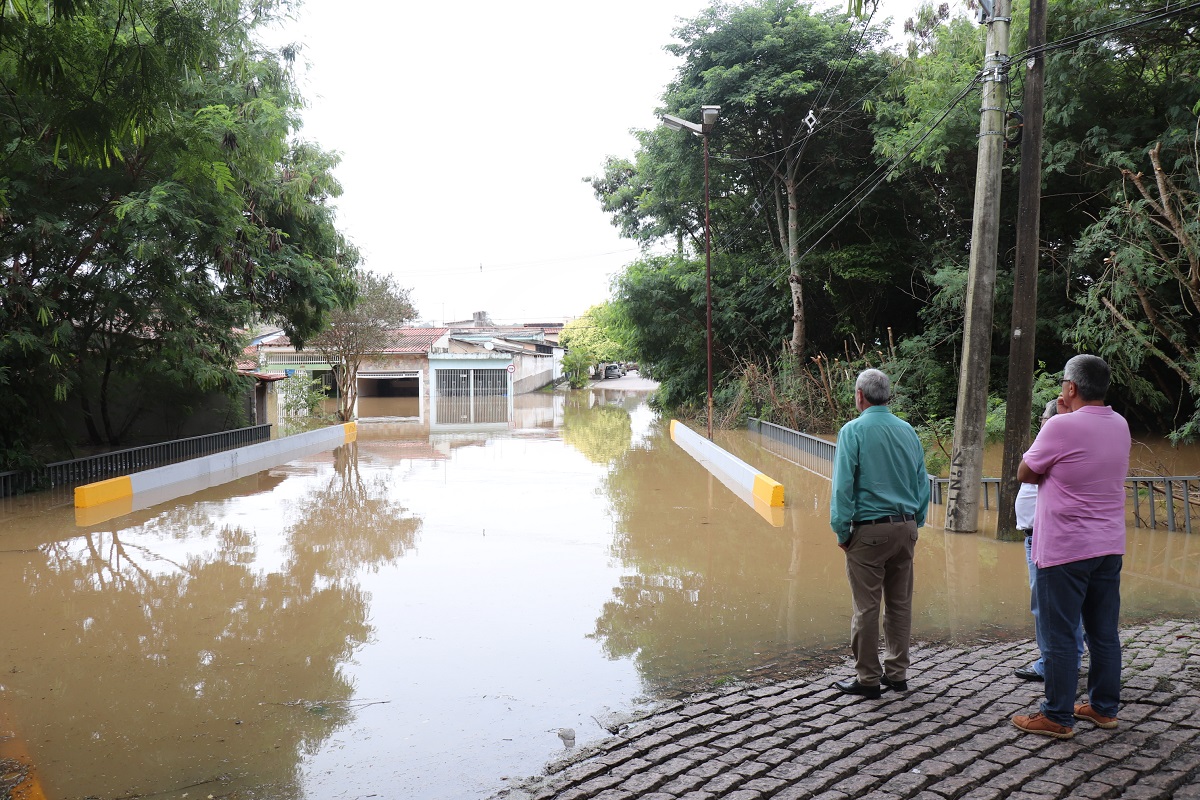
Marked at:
<point>1091,590</point>
<point>1039,666</point>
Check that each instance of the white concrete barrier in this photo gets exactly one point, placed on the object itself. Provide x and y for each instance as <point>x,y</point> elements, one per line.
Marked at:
<point>115,496</point>
<point>746,481</point>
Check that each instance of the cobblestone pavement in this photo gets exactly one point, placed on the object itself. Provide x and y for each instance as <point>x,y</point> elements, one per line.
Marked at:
<point>949,736</point>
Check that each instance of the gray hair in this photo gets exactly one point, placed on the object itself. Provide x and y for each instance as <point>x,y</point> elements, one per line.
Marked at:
<point>1051,409</point>
<point>1090,374</point>
<point>875,386</point>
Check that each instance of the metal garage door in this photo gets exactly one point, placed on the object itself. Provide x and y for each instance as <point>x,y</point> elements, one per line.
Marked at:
<point>472,395</point>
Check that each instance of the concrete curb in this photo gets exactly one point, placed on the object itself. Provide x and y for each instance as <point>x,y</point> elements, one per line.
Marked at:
<point>949,736</point>
<point>106,499</point>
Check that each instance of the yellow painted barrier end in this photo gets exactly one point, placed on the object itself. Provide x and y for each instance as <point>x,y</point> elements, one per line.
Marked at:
<point>94,494</point>
<point>351,429</point>
<point>86,517</point>
<point>768,490</point>
<point>674,422</point>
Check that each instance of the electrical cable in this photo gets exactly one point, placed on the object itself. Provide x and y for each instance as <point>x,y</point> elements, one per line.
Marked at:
<point>876,179</point>
<point>519,264</point>
<point>1145,18</point>
<point>1062,44</point>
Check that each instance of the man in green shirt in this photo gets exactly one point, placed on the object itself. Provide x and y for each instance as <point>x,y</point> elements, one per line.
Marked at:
<point>879,499</point>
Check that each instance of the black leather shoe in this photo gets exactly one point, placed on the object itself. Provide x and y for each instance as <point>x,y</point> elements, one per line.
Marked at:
<point>895,686</point>
<point>1026,674</point>
<point>852,686</point>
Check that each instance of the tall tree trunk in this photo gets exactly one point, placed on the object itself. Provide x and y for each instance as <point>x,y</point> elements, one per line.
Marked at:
<point>89,420</point>
<point>780,219</point>
<point>349,393</point>
<point>795,281</point>
<point>109,432</point>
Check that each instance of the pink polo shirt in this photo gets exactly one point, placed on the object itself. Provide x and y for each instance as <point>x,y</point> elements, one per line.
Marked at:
<point>1084,459</point>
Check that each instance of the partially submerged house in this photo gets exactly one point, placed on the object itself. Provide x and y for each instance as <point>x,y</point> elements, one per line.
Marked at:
<point>462,374</point>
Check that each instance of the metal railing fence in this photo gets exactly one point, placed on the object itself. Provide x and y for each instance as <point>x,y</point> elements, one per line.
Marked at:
<point>939,488</point>
<point>77,471</point>
<point>799,443</point>
<point>1169,499</point>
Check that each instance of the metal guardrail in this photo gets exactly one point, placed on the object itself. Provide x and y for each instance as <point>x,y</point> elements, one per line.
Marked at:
<point>1169,498</point>
<point>77,471</point>
<point>800,442</point>
<point>939,488</point>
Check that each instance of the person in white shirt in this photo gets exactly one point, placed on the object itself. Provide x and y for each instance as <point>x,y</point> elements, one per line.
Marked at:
<point>1026,505</point>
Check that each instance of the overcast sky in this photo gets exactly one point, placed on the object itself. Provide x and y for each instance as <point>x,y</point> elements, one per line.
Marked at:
<point>466,130</point>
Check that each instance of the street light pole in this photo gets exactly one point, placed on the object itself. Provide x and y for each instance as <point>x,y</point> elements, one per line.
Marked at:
<point>708,118</point>
<point>707,287</point>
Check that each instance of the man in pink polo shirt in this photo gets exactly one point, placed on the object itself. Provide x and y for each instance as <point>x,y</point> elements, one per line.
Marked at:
<point>1079,461</point>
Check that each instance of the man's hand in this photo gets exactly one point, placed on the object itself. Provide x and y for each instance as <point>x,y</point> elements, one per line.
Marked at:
<point>1027,475</point>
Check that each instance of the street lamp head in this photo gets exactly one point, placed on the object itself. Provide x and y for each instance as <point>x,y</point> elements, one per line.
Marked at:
<point>708,115</point>
<point>677,124</point>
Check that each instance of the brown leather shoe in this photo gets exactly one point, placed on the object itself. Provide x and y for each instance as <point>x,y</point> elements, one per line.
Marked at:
<point>1041,725</point>
<point>1085,711</point>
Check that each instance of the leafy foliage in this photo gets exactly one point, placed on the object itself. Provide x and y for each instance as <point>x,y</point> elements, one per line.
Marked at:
<point>363,328</point>
<point>153,201</point>
<point>595,336</point>
<point>1119,223</point>
<point>300,397</point>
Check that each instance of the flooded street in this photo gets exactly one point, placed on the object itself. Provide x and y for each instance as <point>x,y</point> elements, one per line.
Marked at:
<point>426,612</point>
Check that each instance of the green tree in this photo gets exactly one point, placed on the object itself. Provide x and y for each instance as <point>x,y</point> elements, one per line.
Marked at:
<point>1126,123</point>
<point>578,366</point>
<point>663,301</point>
<point>153,200</point>
<point>791,147</point>
<point>596,336</point>
<point>361,330</point>
<point>1141,311</point>
<point>1114,270</point>
<point>300,396</point>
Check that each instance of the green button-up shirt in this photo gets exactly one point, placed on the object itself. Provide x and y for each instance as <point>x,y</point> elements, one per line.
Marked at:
<point>879,470</point>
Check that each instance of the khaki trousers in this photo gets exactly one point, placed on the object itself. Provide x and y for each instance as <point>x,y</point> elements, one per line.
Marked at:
<point>879,564</point>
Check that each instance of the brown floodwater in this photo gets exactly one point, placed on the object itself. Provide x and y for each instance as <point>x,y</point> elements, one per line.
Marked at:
<point>420,614</point>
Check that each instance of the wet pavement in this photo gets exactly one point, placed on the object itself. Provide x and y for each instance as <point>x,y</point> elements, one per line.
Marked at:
<point>949,736</point>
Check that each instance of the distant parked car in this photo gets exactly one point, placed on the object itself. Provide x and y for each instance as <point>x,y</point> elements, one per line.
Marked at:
<point>613,371</point>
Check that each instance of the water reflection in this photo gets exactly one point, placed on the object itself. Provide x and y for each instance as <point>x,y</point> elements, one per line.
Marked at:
<point>713,592</point>
<point>212,649</point>
<point>598,429</point>
<point>370,407</point>
<point>349,523</point>
<point>425,611</point>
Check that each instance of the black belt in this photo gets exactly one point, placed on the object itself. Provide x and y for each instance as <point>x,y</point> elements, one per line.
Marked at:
<point>882,520</point>
<point>1026,531</point>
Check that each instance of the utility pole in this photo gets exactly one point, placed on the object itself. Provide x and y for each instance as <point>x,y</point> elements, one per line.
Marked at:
<point>966,460</point>
<point>1024,304</point>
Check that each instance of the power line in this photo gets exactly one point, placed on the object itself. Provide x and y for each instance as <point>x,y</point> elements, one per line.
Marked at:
<point>1145,18</point>
<point>1062,44</point>
<point>517,264</point>
<point>877,178</point>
